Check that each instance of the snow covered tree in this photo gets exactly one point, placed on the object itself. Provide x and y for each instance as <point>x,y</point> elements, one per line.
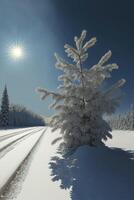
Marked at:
<point>20,116</point>
<point>124,121</point>
<point>131,118</point>
<point>5,109</point>
<point>81,100</point>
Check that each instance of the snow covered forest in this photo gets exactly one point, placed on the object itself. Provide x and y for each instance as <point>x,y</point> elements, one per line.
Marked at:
<point>17,115</point>
<point>124,121</point>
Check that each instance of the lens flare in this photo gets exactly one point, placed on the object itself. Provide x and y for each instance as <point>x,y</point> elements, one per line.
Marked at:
<point>16,52</point>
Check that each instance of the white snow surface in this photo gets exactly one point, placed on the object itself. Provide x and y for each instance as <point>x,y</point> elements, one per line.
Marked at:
<point>89,173</point>
<point>98,173</point>
<point>4,132</point>
<point>10,161</point>
<point>39,184</point>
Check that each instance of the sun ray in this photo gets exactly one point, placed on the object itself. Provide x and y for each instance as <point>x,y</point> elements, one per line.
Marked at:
<point>16,52</point>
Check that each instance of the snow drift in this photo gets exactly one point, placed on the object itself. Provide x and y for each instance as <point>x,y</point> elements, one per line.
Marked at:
<point>102,173</point>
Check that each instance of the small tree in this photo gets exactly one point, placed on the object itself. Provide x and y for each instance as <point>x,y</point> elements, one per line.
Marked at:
<point>5,109</point>
<point>81,101</point>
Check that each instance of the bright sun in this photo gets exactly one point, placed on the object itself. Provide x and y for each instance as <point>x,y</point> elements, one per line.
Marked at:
<point>16,52</point>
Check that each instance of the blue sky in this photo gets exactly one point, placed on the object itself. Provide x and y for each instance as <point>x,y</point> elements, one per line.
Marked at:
<point>42,27</point>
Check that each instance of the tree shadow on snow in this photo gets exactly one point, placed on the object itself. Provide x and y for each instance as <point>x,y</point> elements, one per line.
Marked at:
<point>96,173</point>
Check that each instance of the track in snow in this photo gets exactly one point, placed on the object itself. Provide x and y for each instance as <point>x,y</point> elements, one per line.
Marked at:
<point>14,152</point>
<point>12,134</point>
<point>11,144</point>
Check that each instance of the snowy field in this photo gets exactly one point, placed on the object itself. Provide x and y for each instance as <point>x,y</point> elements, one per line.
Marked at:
<point>31,168</point>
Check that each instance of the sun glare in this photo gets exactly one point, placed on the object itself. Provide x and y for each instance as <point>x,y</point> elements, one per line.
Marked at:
<point>16,52</point>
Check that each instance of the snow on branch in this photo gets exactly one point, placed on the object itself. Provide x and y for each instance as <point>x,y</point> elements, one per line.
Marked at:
<point>62,64</point>
<point>89,44</point>
<point>72,52</point>
<point>105,58</point>
<point>45,93</point>
<point>79,41</point>
<point>114,88</point>
<point>80,53</point>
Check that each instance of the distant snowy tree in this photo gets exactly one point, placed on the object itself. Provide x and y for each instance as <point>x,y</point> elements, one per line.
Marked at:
<point>81,101</point>
<point>124,121</point>
<point>20,116</point>
<point>5,109</point>
<point>131,116</point>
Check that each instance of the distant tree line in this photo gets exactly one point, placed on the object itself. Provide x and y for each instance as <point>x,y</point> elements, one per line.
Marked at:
<point>123,121</point>
<point>17,115</point>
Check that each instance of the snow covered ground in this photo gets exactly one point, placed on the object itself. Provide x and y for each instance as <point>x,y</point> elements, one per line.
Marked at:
<point>6,132</point>
<point>90,173</point>
<point>14,149</point>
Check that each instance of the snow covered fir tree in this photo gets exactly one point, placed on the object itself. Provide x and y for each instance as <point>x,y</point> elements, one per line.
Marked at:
<point>12,115</point>
<point>81,102</point>
<point>4,116</point>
